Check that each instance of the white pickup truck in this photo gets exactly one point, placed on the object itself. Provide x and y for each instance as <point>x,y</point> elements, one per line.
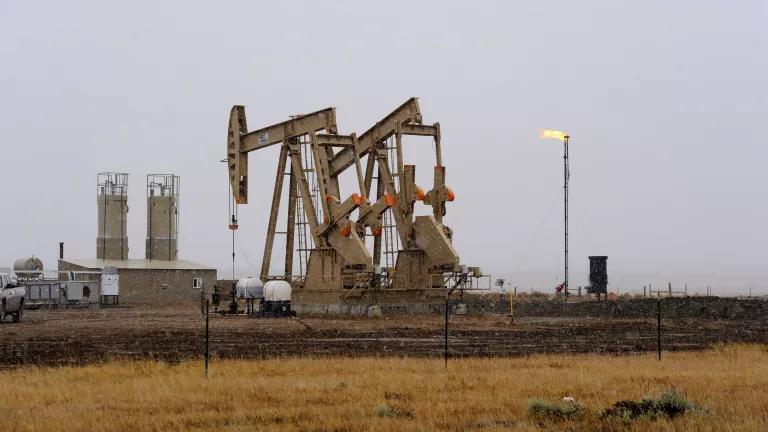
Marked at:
<point>11,299</point>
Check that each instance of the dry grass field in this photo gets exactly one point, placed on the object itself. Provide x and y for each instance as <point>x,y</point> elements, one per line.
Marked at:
<point>387,394</point>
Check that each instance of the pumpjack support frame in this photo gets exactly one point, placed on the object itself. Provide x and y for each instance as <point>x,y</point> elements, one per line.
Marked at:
<point>340,261</point>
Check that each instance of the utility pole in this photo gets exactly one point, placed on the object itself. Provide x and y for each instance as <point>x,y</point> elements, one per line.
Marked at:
<point>564,137</point>
<point>233,226</point>
<point>566,175</point>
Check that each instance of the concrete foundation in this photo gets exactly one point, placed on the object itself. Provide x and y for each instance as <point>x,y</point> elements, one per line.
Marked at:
<point>358,302</point>
<point>357,296</point>
<point>363,309</point>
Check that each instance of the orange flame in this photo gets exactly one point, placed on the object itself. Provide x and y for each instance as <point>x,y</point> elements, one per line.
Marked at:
<point>554,134</point>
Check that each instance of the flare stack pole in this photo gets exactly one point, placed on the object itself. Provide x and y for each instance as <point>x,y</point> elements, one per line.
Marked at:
<point>565,206</point>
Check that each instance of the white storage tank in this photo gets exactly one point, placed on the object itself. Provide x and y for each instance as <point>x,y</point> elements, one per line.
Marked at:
<point>250,288</point>
<point>277,291</point>
<point>26,265</point>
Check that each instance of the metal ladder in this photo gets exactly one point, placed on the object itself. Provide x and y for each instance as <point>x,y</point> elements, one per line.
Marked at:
<point>389,228</point>
<point>302,229</point>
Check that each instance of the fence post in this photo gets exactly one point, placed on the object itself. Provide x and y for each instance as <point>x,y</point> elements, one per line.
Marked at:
<point>445,354</point>
<point>206,337</point>
<point>658,325</point>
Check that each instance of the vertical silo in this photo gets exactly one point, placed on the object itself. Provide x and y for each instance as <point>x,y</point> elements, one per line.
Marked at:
<point>162,217</point>
<point>112,202</point>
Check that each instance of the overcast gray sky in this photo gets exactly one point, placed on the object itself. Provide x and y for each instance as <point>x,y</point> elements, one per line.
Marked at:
<point>666,103</point>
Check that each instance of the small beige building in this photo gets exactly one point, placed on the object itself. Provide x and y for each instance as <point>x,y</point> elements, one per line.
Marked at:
<point>152,281</point>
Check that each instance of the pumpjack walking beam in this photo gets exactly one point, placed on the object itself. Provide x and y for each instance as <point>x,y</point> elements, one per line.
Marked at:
<point>404,120</point>
<point>240,142</point>
<point>408,112</point>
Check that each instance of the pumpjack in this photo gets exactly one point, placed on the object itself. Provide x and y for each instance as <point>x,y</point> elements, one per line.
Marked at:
<point>339,262</point>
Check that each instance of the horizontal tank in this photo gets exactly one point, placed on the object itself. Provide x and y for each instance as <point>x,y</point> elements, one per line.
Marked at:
<point>277,290</point>
<point>249,288</point>
<point>30,264</point>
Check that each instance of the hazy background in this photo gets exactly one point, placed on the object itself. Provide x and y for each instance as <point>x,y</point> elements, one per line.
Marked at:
<point>666,103</point>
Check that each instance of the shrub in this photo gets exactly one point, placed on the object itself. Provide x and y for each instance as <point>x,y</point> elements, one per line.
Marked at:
<point>383,410</point>
<point>546,410</point>
<point>670,403</point>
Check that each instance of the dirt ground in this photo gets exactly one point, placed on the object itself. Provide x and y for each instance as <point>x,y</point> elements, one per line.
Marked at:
<point>57,337</point>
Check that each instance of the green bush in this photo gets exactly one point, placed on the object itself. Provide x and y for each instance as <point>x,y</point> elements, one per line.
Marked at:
<point>546,410</point>
<point>670,403</point>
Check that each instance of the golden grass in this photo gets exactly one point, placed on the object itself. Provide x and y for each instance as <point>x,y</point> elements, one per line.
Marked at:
<point>342,394</point>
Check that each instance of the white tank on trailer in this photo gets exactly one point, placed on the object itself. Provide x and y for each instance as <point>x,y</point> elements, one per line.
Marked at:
<point>277,291</point>
<point>250,288</point>
<point>24,265</point>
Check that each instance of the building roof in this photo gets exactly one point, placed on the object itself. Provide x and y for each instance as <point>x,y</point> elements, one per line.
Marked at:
<point>138,264</point>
